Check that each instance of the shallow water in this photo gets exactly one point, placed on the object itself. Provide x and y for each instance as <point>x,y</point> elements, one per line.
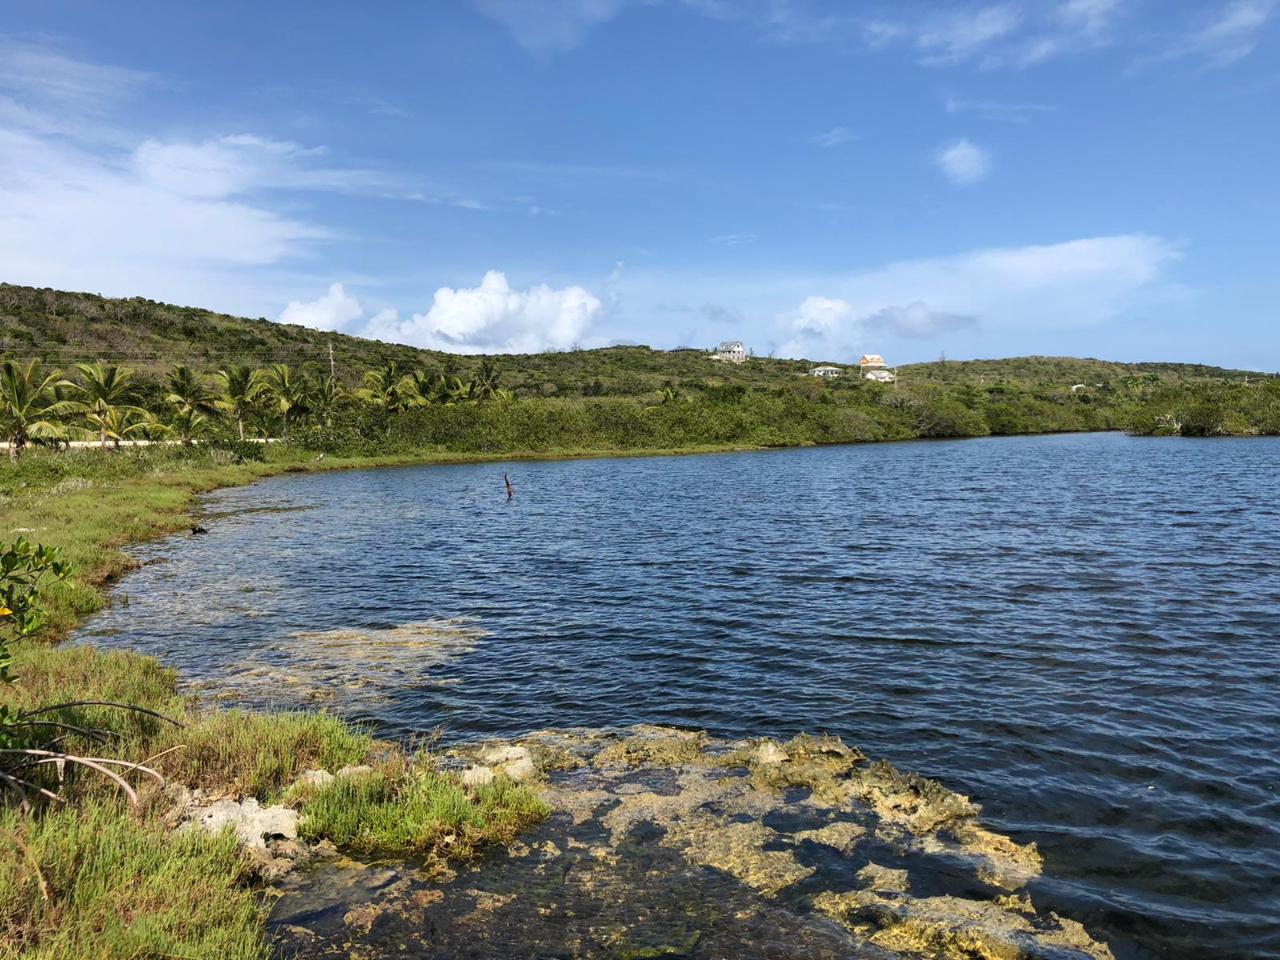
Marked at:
<point>1079,632</point>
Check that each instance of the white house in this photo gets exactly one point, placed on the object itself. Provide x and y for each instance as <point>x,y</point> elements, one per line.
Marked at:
<point>880,376</point>
<point>731,351</point>
<point>872,361</point>
<point>825,373</point>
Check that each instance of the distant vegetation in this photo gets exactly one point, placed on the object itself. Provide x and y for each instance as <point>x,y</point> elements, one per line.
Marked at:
<point>83,367</point>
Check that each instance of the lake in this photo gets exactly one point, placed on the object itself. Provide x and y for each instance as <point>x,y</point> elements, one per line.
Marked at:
<point>1081,632</point>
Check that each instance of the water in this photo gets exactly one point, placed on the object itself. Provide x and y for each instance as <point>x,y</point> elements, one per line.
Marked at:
<point>1080,632</point>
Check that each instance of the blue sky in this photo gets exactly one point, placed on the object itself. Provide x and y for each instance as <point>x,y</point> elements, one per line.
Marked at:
<point>1084,177</point>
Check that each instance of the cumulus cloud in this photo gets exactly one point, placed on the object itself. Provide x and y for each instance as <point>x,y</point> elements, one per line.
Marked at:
<point>916,321</point>
<point>493,318</point>
<point>821,315</point>
<point>1053,286</point>
<point>330,312</point>
<point>963,162</point>
<point>824,319</point>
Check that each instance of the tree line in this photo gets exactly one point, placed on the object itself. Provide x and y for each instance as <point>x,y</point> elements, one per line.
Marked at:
<point>109,404</point>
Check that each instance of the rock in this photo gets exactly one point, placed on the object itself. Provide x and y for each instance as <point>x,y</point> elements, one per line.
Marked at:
<point>883,879</point>
<point>318,778</point>
<point>770,752</point>
<point>269,868</point>
<point>519,770</point>
<point>294,850</point>
<point>254,824</point>
<point>840,835</point>
<point>363,917</point>
<point>496,756</point>
<point>514,763</point>
<point>477,776</point>
<point>353,772</point>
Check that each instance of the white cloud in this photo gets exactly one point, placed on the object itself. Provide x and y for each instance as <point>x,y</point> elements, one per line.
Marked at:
<point>493,318</point>
<point>82,219</point>
<point>1221,41</point>
<point>1089,17</point>
<point>42,75</point>
<point>960,36</point>
<point>963,162</point>
<point>1052,286</point>
<point>825,320</point>
<point>549,26</point>
<point>833,137</point>
<point>821,315</point>
<point>85,204</point>
<point>230,165</point>
<point>734,239</point>
<point>996,110</point>
<point>917,321</point>
<point>330,312</point>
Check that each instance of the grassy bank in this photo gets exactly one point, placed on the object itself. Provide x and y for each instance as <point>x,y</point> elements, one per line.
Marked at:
<point>96,877</point>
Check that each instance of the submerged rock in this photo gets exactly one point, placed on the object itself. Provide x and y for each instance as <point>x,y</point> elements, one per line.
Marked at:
<point>333,666</point>
<point>668,843</point>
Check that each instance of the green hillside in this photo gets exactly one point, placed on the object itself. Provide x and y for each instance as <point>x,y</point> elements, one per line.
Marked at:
<point>65,328</point>
<point>1064,370</point>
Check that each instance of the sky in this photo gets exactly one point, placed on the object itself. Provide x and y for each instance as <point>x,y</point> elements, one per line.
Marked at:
<point>817,179</point>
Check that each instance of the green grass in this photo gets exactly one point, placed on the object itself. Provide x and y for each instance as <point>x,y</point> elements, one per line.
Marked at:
<point>417,809</point>
<point>119,883</point>
<point>92,881</point>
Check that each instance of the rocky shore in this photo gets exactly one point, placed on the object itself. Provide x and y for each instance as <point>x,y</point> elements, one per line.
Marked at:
<point>668,843</point>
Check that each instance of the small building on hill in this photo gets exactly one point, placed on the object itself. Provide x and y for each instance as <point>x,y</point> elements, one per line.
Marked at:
<point>731,351</point>
<point>874,368</point>
<point>826,372</point>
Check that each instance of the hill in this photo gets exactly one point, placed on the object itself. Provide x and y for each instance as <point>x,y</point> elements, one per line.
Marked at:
<point>1064,370</point>
<point>65,328</point>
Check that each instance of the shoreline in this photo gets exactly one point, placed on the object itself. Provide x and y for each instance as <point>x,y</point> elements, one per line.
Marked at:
<point>153,516</point>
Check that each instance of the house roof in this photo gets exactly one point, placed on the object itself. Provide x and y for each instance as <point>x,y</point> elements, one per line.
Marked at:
<point>872,360</point>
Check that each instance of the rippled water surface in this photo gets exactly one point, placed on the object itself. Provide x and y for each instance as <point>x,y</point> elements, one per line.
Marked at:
<point>1080,632</point>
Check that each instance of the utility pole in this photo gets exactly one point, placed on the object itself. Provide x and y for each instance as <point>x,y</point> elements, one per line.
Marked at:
<point>332,370</point>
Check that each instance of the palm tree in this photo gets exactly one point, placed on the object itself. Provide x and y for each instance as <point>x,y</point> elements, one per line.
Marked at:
<point>103,399</point>
<point>188,425</point>
<point>288,392</point>
<point>421,389</point>
<point>462,391</point>
<point>31,404</point>
<point>325,397</point>
<point>189,392</point>
<point>486,381</point>
<point>241,386</point>
<point>125,423</point>
<point>384,388</point>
